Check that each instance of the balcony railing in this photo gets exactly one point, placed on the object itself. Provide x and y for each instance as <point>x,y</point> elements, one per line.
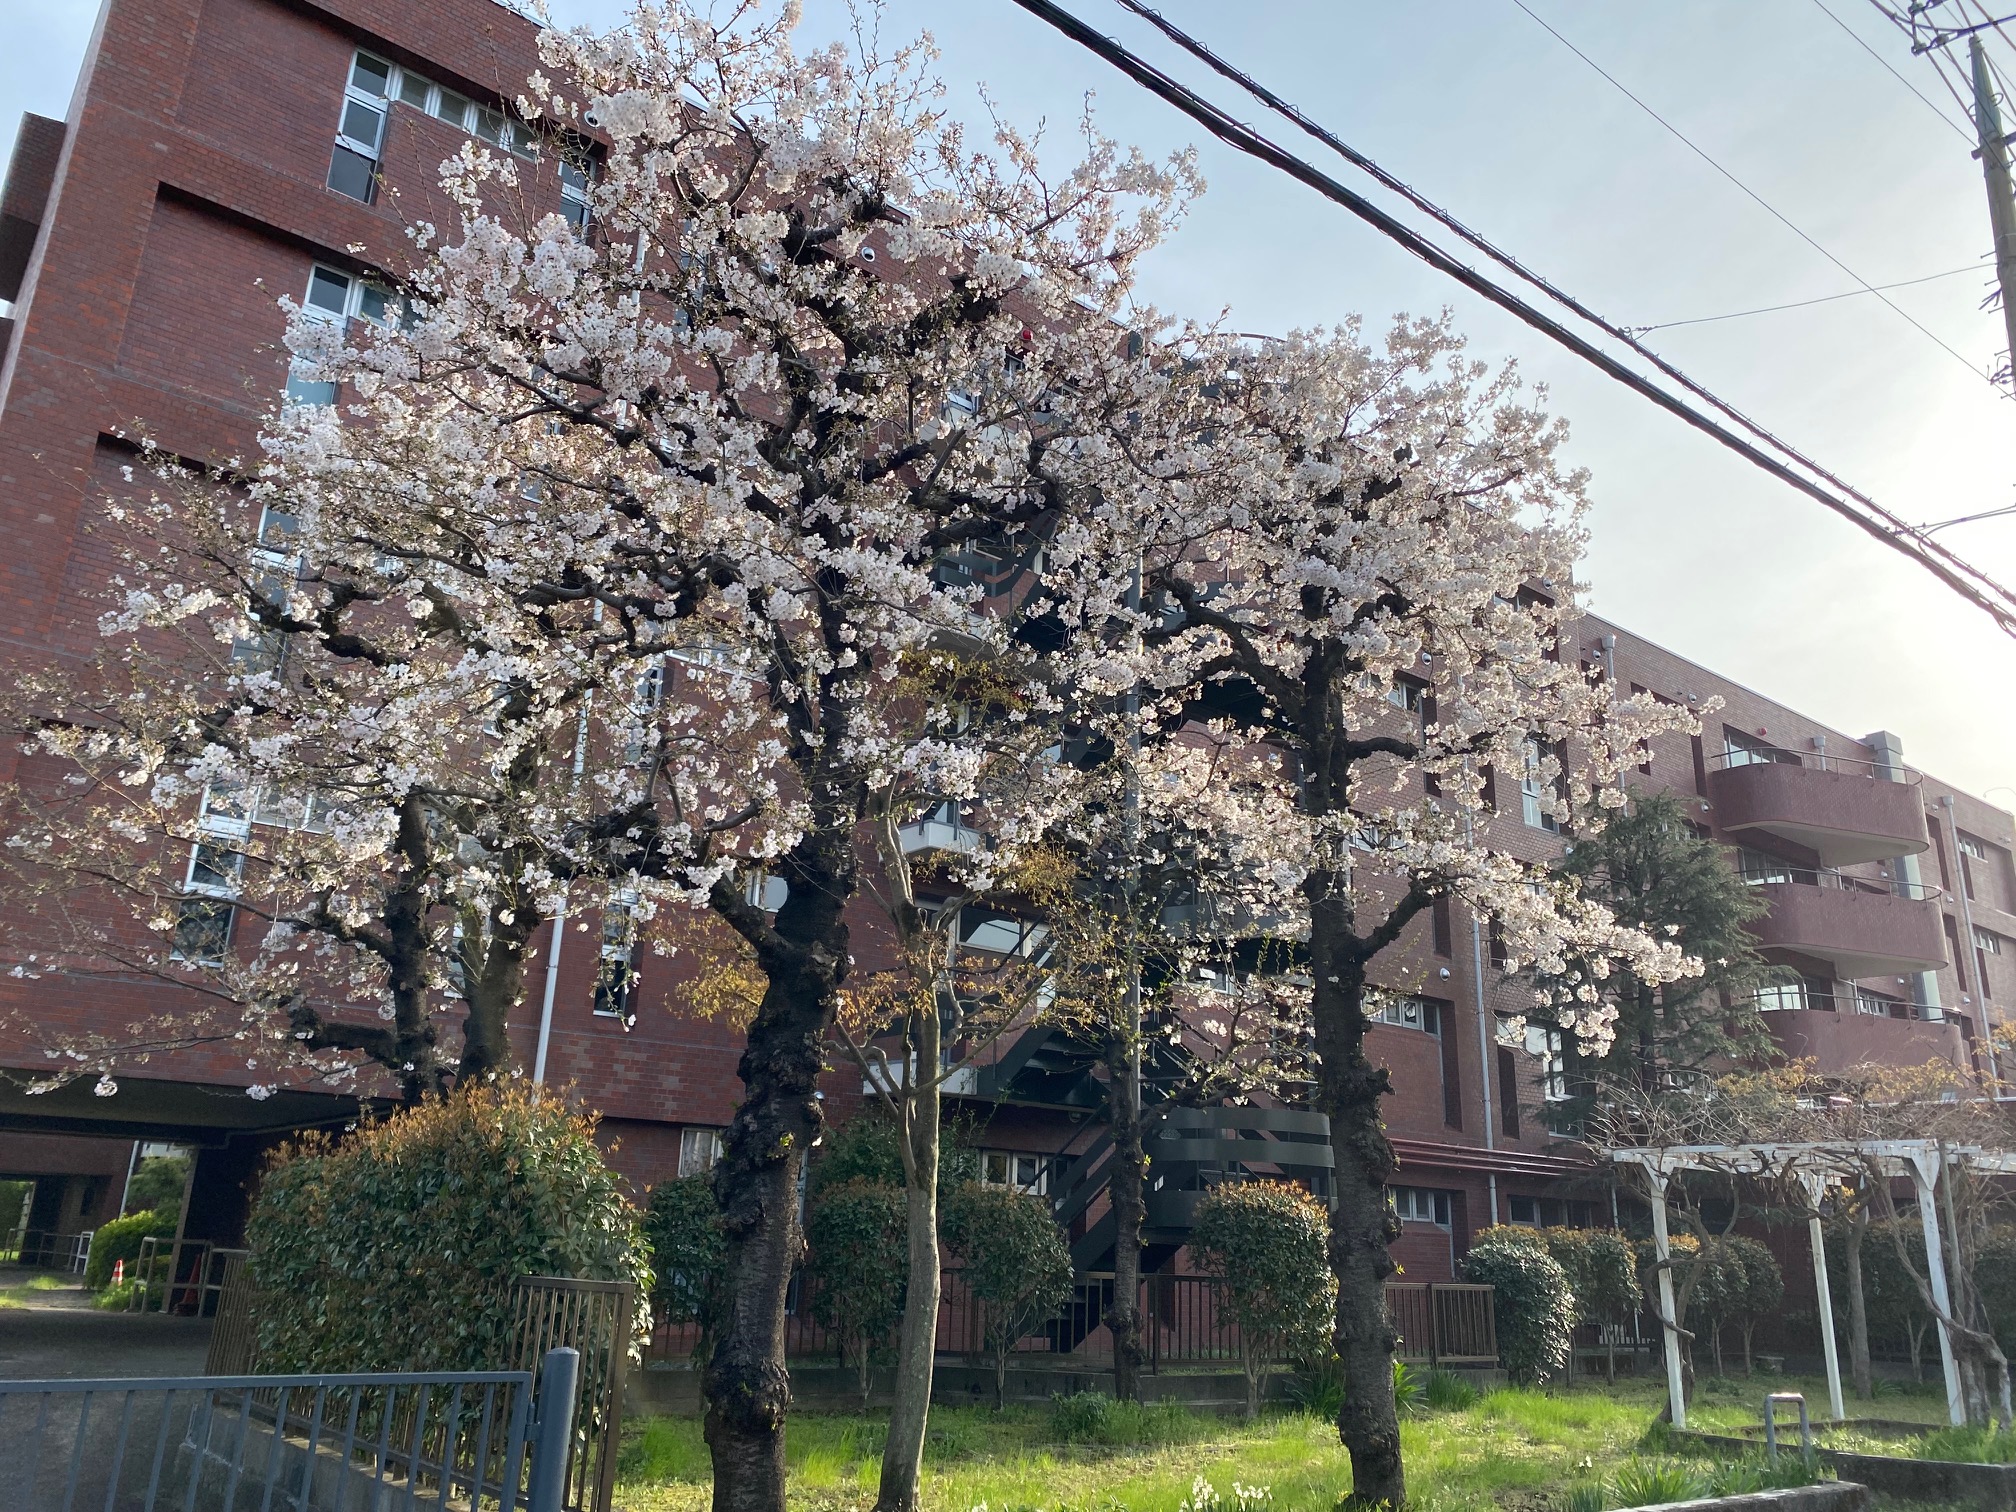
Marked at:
<point>1842,809</point>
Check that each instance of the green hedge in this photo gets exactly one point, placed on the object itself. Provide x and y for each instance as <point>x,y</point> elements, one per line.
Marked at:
<point>394,1249</point>
<point>1535,1305</point>
<point>120,1240</point>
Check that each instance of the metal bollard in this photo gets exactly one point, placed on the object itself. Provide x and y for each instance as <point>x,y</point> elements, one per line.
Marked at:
<point>1771,1425</point>
<point>553,1433</point>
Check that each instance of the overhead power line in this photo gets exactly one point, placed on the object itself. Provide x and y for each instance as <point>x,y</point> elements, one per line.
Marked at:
<point>1800,304</point>
<point>1769,208</point>
<point>1959,575</point>
<point>1930,104</point>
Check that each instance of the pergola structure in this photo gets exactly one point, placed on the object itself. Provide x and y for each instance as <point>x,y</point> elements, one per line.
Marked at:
<point>1813,1166</point>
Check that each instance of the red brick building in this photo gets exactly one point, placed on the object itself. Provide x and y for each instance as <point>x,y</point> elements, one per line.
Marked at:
<point>221,153</point>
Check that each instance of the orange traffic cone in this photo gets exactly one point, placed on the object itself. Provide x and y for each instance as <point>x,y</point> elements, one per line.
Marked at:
<point>118,1272</point>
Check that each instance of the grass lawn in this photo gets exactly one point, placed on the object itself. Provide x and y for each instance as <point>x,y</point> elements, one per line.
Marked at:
<point>1513,1449</point>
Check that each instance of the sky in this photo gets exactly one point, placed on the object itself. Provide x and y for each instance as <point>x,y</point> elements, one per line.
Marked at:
<point>1477,106</point>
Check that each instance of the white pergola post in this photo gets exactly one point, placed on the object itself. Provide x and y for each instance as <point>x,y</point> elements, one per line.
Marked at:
<point>1815,1186</point>
<point>1924,1174</point>
<point>1676,1388</point>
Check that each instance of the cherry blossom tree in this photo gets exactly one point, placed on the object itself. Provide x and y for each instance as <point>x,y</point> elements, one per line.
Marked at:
<point>1361,556</point>
<point>741,441</point>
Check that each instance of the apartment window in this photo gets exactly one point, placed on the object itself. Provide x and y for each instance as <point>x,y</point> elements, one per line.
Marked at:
<point>1408,693</point>
<point>1409,1013</point>
<point>1739,749</point>
<point>574,180</point>
<point>644,711</point>
<point>1969,846</point>
<point>1781,997</point>
<point>1001,934</point>
<point>699,1151</point>
<point>360,132</point>
<point>1757,867</point>
<point>1986,941</point>
<point>1016,1169</point>
<point>1420,1205</point>
<point>616,975</point>
<point>1544,1044</point>
<point>336,296</point>
<point>204,915</point>
<point>1985,945</point>
<point>1539,792</point>
<point>1524,1212</point>
<point>1880,1004</point>
<point>1974,857</point>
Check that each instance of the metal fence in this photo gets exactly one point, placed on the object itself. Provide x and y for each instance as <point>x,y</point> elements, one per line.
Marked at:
<point>1185,1321</point>
<point>595,1319</point>
<point>182,1276</point>
<point>311,1443</point>
<point>48,1251</point>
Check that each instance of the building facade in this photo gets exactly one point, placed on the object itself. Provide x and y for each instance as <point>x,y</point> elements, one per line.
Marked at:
<point>219,154</point>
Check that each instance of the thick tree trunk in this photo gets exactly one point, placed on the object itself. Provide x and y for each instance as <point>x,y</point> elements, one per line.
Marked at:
<point>1362,1225</point>
<point>493,991</point>
<point>1858,1306</point>
<point>917,1349</point>
<point>1124,1190</point>
<point>762,1156</point>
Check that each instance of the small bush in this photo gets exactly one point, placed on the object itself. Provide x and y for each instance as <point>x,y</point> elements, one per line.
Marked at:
<point>1318,1387</point>
<point>395,1248</point>
<point>1535,1306</point>
<point>1746,1477</point>
<point>1647,1483</point>
<point>1446,1391</point>
<point>858,1236</point>
<point>1092,1417</point>
<point>120,1240</point>
<point>1410,1387</point>
<point>682,1225</point>
<point>1012,1258</point>
<point>1267,1241</point>
<point>1587,1497</point>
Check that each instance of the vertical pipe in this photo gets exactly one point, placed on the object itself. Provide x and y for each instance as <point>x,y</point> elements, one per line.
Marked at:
<point>1662,1248</point>
<point>1935,1273</point>
<point>559,1376</point>
<point>1825,1293</point>
<point>559,912</point>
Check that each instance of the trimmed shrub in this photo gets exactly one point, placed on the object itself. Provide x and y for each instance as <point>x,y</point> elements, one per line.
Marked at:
<point>1012,1259</point>
<point>394,1249</point>
<point>857,1234</point>
<point>1602,1272</point>
<point>1535,1306</point>
<point>120,1240</point>
<point>682,1225</point>
<point>1265,1241</point>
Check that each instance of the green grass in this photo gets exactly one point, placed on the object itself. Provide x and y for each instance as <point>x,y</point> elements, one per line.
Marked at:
<point>1566,1450</point>
<point>1510,1448</point>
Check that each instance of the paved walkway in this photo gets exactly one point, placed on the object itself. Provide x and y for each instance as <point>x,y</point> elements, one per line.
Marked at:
<point>53,1334</point>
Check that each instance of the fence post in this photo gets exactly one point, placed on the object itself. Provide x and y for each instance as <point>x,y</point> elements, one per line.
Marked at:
<point>559,1378</point>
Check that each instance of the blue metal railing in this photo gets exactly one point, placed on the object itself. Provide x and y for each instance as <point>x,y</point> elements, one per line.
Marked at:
<point>388,1442</point>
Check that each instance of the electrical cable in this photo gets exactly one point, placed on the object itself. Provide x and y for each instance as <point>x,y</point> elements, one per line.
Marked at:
<point>1769,208</point>
<point>1930,104</point>
<point>1959,575</point>
<point>1800,304</point>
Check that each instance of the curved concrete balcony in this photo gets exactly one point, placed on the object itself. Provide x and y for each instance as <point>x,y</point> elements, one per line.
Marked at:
<point>1858,928</point>
<point>1839,1041</point>
<point>1845,813</point>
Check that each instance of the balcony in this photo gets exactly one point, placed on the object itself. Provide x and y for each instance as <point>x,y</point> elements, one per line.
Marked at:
<point>1860,928</point>
<point>1844,813</point>
<point>1840,1041</point>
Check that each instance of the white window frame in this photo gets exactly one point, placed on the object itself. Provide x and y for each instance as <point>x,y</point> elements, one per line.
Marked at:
<point>1410,1013</point>
<point>1546,1045</point>
<point>1429,1205</point>
<point>618,953</point>
<point>1016,1171</point>
<point>1537,795</point>
<point>1969,846</point>
<point>1987,940</point>
<point>699,1150</point>
<point>1781,997</point>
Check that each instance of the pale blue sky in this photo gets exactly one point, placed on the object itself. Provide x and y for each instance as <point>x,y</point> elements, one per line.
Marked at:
<point>1476,105</point>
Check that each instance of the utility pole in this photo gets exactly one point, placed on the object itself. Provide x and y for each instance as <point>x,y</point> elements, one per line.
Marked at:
<point>1994,155</point>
